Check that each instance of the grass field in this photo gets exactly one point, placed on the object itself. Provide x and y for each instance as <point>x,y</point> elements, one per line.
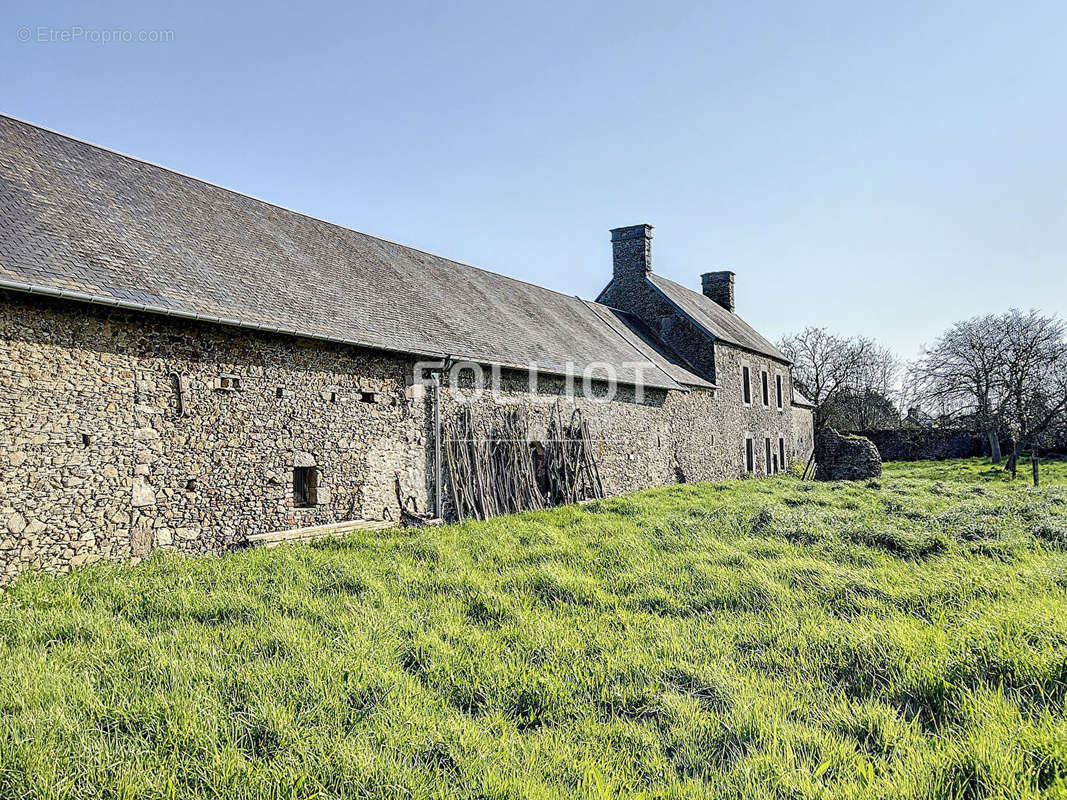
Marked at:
<point>903,638</point>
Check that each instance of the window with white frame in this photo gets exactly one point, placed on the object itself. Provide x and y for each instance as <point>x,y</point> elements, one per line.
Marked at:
<point>778,386</point>
<point>765,387</point>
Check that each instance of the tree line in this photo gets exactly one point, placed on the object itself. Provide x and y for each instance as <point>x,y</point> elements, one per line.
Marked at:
<point>1000,376</point>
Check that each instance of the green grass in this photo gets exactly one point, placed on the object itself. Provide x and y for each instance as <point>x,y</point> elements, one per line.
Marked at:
<point>904,638</point>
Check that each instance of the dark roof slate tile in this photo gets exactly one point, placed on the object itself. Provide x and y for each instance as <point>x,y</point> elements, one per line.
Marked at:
<point>715,319</point>
<point>111,228</point>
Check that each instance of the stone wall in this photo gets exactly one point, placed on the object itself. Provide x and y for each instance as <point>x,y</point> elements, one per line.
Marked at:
<point>722,364</point>
<point>803,433</point>
<point>664,437</point>
<point>738,421</point>
<point>638,442</point>
<point>916,444</point>
<point>98,461</point>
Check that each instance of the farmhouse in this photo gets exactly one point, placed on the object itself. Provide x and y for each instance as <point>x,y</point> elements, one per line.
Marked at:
<point>183,366</point>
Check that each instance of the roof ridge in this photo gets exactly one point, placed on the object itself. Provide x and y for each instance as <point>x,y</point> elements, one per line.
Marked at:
<point>271,203</point>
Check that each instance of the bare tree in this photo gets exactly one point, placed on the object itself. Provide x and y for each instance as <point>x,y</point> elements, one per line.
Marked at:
<point>961,375</point>
<point>1033,375</point>
<point>829,368</point>
<point>876,386</point>
<point>1007,370</point>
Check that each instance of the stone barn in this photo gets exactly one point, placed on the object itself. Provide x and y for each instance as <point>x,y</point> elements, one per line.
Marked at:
<point>183,366</point>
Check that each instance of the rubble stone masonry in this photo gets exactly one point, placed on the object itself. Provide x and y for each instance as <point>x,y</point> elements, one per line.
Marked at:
<point>122,433</point>
<point>97,461</point>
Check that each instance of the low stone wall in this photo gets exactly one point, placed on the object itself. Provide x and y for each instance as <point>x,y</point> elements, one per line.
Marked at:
<point>914,444</point>
<point>845,458</point>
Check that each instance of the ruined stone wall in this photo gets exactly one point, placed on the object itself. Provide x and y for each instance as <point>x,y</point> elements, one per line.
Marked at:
<point>845,458</point>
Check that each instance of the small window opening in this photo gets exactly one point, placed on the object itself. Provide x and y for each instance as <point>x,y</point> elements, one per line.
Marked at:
<point>228,383</point>
<point>305,487</point>
<point>746,384</point>
<point>281,392</point>
<point>781,453</point>
<point>87,439</point>
<point>778,390</point>
<point>368,397</point>
<point>770,466</point>
<point>750,455</point>
<point>333,397</point>
<point>766,392</point>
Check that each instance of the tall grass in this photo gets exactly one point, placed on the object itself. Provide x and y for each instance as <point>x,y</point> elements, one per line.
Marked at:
<point>903,638</point>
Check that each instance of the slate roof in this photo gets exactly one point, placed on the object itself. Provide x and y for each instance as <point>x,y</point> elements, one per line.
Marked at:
<point>99,226</point>
<point>715,319</point>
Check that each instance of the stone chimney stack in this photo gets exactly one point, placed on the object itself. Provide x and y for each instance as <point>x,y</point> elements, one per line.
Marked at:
<point>631,249</point>
<point>719,286</point>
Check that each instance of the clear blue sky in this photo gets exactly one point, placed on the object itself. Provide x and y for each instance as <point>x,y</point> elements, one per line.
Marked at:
<point>878,169</point>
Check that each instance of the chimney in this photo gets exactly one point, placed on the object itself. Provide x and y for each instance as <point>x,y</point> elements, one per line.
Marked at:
<point>631,249</point>
<point>719,286</point>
